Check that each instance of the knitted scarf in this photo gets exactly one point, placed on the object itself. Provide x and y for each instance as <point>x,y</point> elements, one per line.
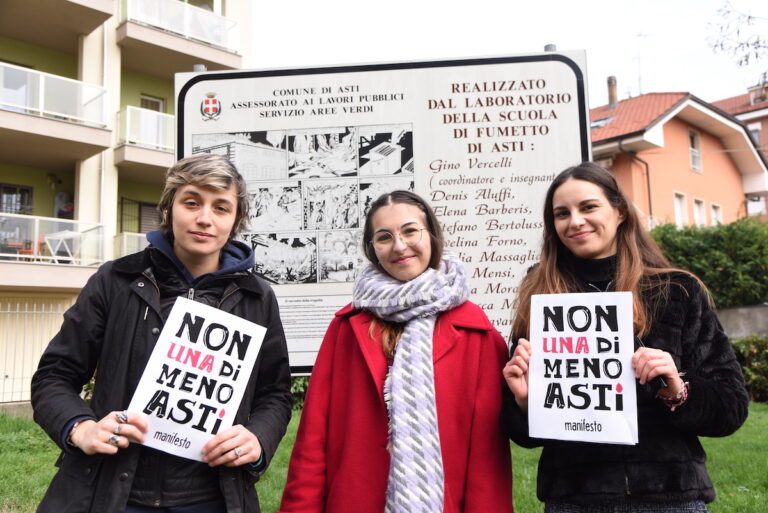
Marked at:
<point>416,468</point>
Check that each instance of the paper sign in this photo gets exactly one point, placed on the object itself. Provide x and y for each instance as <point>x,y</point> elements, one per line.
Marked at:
<point>581,380</point>
<point>196,376</point>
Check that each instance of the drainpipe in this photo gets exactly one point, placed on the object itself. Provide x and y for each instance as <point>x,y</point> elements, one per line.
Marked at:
<point>633,156</point>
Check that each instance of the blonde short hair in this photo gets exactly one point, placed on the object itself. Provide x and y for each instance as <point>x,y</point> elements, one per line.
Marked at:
<point>204,170</point>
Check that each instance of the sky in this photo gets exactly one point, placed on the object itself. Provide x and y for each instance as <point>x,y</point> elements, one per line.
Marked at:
<point>650,46</point>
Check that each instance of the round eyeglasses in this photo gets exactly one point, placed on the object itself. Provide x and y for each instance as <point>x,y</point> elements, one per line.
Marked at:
<point>409,236</point>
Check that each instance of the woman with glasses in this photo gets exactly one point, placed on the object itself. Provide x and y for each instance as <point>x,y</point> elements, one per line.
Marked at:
<point>402,410</point>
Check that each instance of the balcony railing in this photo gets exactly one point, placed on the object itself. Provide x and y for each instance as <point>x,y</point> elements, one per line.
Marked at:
<point>146,128</point>
<point>185,20</point>
<point>127,243</point>
<point>49,240</point>
<point>43,94</point>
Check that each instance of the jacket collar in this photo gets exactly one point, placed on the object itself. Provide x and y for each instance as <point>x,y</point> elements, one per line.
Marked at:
<point>467,315</point>
<point>136,263</point>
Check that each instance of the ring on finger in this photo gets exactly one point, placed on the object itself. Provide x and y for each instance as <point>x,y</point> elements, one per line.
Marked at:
<point>113,439</point>
<point>118,428</point>
<point>237,452</point>
<point>121,416</point>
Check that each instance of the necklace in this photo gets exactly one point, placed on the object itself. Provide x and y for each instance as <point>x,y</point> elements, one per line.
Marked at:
<point>608,286</point>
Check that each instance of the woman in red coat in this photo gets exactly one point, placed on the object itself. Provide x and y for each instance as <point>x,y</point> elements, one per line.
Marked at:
<point>402,410</point>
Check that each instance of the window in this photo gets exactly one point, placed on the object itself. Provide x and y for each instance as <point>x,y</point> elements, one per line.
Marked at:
<point>15,199</point>
<point>137,216</point>
<point>754,132</point>
<point>152,103</point>
<point>681,210</point>
<point>694,144</point>
<point>600,123</point>
<point>716,213</point>
<point>699,212</point>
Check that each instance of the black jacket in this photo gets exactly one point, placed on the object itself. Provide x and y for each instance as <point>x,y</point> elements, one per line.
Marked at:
<point>668,463</point>
<point>112,328</point>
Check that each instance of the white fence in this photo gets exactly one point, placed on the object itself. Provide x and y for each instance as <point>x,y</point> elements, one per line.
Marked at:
<point>185,20</point>
<point>33,92</point>
<point>146,128</point>
<point>49,240</point>
<point>27,324</point>
<point>127,243</point>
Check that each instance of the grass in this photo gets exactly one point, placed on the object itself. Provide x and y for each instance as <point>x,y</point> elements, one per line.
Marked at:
<point>738,465</point>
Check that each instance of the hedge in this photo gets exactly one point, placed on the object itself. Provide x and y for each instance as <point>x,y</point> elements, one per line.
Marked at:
<point>731,259</point>
<point>752,353</point>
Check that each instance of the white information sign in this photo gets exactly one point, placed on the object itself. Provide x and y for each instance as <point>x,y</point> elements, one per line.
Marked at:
<point>581,381</point>
<point>480,139</point>
<point>195,378</point>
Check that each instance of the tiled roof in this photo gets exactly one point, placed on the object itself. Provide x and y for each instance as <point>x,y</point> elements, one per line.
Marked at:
<point>632,115</point>
<point>738,104</point>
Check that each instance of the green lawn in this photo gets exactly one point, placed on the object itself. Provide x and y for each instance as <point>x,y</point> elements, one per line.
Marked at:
<point>738,465</point>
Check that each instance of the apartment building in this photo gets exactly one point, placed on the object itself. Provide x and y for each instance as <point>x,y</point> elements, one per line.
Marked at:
<point>86,134</point>
<point>681,160</point>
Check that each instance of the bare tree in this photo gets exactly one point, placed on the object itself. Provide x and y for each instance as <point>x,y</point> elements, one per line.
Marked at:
<point>742,35</point>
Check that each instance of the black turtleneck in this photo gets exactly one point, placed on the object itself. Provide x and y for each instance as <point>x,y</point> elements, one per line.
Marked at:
<point>595,273</point>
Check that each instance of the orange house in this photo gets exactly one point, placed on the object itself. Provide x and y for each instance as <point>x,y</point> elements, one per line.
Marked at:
<point>680,159</point>
<point>752,110</point>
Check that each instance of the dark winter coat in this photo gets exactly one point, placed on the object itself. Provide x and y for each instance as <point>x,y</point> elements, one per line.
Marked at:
<point>116,318</point>
<point>668,462</point>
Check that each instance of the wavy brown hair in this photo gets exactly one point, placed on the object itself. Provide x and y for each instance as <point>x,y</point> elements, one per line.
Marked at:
<point>641,267</point>
<point>390,332</point>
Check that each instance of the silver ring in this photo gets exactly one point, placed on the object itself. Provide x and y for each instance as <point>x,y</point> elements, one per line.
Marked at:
<point>114,439</point>
<point>118,428</point>
<point>121,417</point>
<point>237,452</point>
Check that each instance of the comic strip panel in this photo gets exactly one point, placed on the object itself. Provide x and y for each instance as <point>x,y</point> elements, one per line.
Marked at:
<point>256,155</point>
<point>275,206</point>
<point>330,204</point>
<point>340,255</point>
<point>322,152</point>
<point>284,257</point>
<point>385,150</point>
<point>372,188</point>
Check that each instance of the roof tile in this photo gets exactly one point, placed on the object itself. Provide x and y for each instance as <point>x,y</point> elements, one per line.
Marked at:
<point>632,115</point>
<point>738,104</point>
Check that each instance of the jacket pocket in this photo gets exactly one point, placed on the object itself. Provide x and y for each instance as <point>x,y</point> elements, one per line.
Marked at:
<point>74,485</point>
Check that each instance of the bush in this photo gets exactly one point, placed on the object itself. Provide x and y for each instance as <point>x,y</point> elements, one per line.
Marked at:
<point>299,391</point>
<point>752,354</point>
<point>731,259</point>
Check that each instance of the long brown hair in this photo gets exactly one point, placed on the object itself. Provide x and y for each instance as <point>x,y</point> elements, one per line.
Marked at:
<point>390,332</point>
<point>641,267</point>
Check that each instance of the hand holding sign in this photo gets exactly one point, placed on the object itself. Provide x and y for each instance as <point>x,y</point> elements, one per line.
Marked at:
<point>650,363</point>
<point>109,434</point>
<point>516,373</point>
<point>232,447</point>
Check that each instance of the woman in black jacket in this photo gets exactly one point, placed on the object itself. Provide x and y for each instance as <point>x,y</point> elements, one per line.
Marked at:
<point>593,242</point>
<point>112,329</point>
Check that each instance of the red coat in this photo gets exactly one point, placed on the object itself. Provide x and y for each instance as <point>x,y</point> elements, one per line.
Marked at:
<point>340,460</point>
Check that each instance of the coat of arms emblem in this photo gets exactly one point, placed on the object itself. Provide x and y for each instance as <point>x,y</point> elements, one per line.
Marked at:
<point>210,107</point>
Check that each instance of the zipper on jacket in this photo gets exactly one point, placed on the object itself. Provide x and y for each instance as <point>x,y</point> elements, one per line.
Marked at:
<point>151,279</point>
<point>626,483</point>
<point>227,294</point>
<point>191,294</point>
